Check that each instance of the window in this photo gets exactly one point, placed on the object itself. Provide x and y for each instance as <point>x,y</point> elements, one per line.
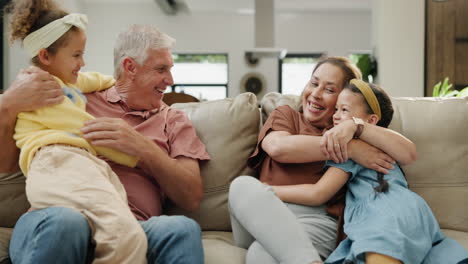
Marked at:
<point>204,76</point>
<point>295,71</point>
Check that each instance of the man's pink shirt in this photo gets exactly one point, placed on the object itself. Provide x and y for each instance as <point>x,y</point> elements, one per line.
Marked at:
<point>169,128</point>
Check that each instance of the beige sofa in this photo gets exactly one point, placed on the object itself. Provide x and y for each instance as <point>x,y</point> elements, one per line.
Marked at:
<point>229,129</point>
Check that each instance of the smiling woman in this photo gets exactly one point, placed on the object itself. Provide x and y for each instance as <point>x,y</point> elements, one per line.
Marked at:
<point>288,155</point>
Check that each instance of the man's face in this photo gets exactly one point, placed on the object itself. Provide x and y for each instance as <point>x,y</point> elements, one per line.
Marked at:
<point>151,80</point>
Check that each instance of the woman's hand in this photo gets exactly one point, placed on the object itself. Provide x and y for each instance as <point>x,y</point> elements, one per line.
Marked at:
<point>334,143</point>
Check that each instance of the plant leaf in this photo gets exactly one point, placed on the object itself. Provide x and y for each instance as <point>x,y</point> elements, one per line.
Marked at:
<point>436,91</point>
<point>452,93</point>
<point>463,92</point>
<point>446,86</point>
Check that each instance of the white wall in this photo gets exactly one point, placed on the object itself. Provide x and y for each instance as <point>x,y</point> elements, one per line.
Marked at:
<point>398,38</point>
<point>397,27</point>
<point>334,32</point>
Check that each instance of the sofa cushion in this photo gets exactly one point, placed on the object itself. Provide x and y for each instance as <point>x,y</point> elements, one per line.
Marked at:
<point>13,202</point>
<point>272,100</point>
<point>219,248</point>
<point>229,129</point>
<point>459,236</point>
<point>438,128</point>
<point>5,235</point>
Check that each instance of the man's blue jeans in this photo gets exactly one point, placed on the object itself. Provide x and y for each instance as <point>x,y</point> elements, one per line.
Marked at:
<point>62,235</point>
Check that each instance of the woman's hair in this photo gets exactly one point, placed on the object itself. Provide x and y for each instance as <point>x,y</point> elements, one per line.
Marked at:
<point>28,16</point>
<point>386,110</point>
<point>135,42</point>
<point>350,70</point>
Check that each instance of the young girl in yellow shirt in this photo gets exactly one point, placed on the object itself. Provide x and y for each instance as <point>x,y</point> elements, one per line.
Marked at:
<point>61,167</point>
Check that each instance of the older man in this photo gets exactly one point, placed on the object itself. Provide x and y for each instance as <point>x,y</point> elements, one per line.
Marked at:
<point>132,118</point>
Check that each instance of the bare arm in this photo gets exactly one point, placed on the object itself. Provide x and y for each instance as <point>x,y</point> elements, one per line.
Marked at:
<point>32,89</point>
<point>89,82</point>
<point>286,148</point>
<point>10,153</point>
<point>314,194</point>
<point>334,142</point>
<point>391,142</point>
<point>179,178</point>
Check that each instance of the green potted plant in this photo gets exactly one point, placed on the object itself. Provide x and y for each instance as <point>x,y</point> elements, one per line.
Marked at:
<point>444,89</point>
<point>366,63</point>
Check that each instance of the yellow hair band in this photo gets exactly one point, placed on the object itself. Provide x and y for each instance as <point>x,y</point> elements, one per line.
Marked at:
<point>369,95</point>
<point>48,34</point>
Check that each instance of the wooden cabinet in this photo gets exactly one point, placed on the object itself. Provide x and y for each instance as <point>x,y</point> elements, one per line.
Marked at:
<point>446,43</point>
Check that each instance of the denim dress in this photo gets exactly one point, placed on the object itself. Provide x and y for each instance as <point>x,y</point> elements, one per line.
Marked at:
<point>397,223</point>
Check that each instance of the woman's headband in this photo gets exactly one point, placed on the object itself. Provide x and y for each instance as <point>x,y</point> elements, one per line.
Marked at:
<point>48,34</point>
<point>369,95</point>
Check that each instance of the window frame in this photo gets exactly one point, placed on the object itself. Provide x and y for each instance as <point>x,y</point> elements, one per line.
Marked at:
<point>315,55</point>
<point>226,85</point>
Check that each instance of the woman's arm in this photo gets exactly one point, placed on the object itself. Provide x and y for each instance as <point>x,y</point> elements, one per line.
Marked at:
<point>32,89</point>
<point>287,148</point>
<point>314,194</point>
<point>284,147</point>
<point>389,141</point>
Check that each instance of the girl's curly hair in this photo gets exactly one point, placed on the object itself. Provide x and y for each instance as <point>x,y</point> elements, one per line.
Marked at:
<point>28,16</point>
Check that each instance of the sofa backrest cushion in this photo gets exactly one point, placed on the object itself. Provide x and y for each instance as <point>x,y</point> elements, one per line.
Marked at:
<point>438,127</point>
<point>229,129</point>
<point>13,202</point>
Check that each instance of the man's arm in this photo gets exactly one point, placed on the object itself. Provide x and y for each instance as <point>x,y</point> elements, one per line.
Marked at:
<point>179,178</point>
<point>32,89</point>
<point>10,153</point>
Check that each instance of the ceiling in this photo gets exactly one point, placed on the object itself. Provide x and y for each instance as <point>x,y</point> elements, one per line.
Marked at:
<point>247,6</point>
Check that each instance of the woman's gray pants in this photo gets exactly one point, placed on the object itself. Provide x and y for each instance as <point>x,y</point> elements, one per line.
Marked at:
<point>277,232</point>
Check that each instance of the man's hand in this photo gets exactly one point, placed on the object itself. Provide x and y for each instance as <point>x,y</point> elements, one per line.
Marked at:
<point>370,156</point>
<point>115,133</point>
<point>179,178</point>
<point>33,88</point>
<point>334,143</point>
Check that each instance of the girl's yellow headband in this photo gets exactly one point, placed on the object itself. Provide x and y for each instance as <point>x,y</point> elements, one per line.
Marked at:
<point>369,95</point>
